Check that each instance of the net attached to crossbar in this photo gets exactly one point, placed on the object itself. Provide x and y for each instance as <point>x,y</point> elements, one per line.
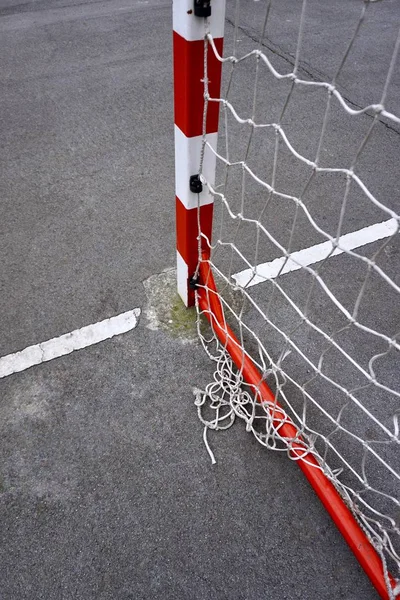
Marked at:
<point>300,280</point>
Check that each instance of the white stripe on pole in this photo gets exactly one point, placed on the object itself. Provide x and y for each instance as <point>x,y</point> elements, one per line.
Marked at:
<point>182,274</point>
<point>194,29</point>
<point>187,161</point>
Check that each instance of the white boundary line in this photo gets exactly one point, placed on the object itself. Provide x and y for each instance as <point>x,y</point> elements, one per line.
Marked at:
<point>67,343</point>
<point>314,254</point>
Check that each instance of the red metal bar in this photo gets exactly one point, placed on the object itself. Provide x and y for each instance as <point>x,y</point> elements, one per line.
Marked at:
<point>364,551</point>
<point>187,231</point>
<point>189,85</point>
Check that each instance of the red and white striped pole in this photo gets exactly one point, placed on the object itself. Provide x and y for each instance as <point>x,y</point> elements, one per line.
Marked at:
<point>188,41</point>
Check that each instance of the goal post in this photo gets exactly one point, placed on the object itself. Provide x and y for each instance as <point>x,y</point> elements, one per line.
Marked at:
<point>264,216</point>
<point>188,63</point>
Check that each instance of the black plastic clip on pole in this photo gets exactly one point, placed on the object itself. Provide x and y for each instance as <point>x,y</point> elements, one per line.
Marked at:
<point>195,184</point>
<point>202,8</point>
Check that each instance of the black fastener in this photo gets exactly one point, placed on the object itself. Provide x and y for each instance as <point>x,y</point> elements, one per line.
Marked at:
<point>195,184</point>
<point>202,8</point>
<point>194,282</point>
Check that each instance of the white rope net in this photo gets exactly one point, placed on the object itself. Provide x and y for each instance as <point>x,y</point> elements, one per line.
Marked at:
<point>305,247</point>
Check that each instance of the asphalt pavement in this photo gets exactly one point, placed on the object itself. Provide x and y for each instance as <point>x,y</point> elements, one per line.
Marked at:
<point>106,488</point>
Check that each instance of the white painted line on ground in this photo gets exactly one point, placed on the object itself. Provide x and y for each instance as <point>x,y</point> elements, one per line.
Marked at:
<point>314,254</point>
<point>67,343</point>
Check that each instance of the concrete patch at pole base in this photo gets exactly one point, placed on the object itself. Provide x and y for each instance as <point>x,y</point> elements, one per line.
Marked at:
<point>165,309</point>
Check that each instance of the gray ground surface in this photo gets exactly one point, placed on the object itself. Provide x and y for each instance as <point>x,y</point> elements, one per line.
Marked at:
<point>106,489</point>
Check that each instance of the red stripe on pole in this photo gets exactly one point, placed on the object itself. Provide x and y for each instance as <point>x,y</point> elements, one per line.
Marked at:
<point>187,233</point>
<point>334,504</point>
<point>189,85</point>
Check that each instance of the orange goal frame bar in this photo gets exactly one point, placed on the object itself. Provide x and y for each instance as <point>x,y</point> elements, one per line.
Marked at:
<point>367,556</point>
